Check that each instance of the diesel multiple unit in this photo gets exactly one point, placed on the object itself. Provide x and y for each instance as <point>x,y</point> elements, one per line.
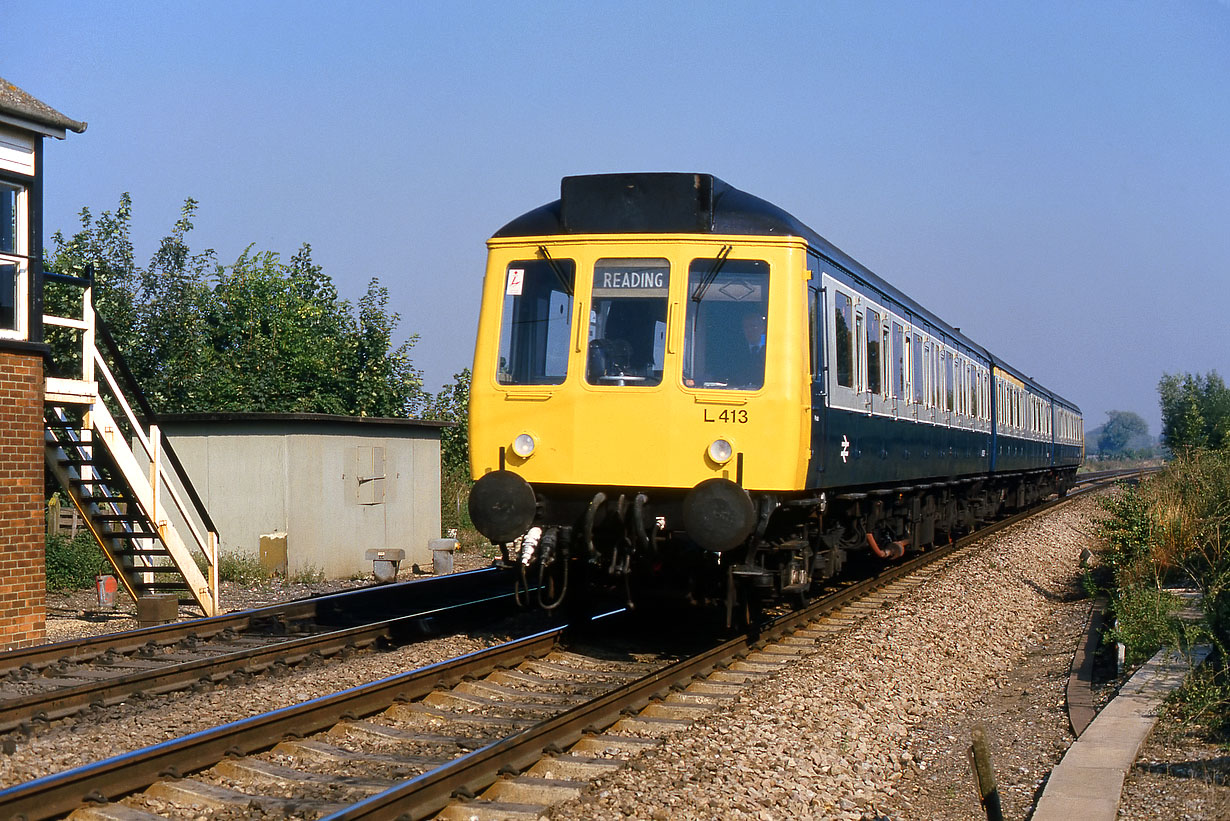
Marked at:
<point>679,388</point>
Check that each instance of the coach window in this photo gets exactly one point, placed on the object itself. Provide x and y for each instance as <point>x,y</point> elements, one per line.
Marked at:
<point>843,348</point>
<point>12,261</point>
<point>726,324</point>
<point>627,322</point>
<point>536,326</point>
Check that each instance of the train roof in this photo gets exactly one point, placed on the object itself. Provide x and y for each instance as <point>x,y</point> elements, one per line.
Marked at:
<point>685,203</point>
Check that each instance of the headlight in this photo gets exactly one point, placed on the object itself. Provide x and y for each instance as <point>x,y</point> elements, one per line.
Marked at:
<point>721,451</point>
<point>523,445</point>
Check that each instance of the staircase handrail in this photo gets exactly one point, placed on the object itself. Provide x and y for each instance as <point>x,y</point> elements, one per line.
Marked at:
<point>134,390</point>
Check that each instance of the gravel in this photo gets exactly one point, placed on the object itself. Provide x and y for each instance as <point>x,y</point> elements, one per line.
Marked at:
<point>877,722</point>
<point>874,725</point>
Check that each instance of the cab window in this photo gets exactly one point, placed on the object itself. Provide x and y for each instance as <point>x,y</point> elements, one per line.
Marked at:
<point>627,324</point>
<point>725,324</point>
<point>536,325</point>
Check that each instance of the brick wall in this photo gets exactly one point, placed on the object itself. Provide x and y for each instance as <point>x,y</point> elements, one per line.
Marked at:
<point>22,560</point>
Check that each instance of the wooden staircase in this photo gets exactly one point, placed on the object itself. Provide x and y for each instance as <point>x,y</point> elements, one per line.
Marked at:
<point>132,502</point>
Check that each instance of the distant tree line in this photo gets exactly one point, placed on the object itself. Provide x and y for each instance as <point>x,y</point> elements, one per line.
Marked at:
<point>1195,412</point>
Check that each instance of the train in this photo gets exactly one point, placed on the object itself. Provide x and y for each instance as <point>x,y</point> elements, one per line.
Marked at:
<point>680,390</point>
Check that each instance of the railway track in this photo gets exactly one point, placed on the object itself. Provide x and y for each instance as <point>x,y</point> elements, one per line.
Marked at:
<point>42,684</point>
<point>431,740</point>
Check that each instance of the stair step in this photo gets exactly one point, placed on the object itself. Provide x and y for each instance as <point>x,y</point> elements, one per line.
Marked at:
<point>80,461</point>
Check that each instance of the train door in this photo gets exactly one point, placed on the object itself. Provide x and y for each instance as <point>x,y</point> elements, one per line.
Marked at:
<point>817,312</point>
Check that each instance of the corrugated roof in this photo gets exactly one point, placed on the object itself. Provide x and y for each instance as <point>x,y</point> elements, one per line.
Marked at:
<point>19,105</point>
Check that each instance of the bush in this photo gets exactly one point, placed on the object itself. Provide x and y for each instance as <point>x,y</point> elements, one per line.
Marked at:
<point>73,563</point>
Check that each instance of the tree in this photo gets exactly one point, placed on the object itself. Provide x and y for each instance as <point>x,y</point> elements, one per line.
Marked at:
<point>260,334</point>
<point>452,404</point>
<point>1195,411</point>
<point>1121,428</point>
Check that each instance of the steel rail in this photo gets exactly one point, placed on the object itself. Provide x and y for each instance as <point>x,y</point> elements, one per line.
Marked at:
<point>62,792</point>
<point>328,609</point>
<point>67,701</point>
<point>371,614</point>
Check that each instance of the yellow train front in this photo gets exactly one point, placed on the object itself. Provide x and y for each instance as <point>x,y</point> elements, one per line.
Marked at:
<point>635,388</point>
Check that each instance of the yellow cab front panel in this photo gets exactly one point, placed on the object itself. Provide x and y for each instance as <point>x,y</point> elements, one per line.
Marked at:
<point>620,359</point>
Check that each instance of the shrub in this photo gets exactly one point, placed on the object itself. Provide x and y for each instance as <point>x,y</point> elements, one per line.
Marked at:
<point>240,568</point>
<point>1145,621</point>
<point>73,563</point>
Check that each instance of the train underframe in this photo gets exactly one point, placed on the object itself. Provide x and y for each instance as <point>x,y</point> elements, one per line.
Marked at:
<point>656,545</point>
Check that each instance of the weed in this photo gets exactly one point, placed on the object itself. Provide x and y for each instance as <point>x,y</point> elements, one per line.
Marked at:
<point>240,568</point>
<point>308,574</point>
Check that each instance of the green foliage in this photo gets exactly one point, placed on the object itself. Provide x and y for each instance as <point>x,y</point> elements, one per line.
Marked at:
<point>260,334</point>
<point>1175,526</point>
<point>1129,531</point>
<point>1145,621</point>
<point>452,404</point>
<point>1121,431</point>
<point>1195,411</point>
<point>73,563</point>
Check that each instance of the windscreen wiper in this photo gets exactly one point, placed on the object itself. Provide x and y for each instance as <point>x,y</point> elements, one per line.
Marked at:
<point>567,286</point>
<point>712,273</point>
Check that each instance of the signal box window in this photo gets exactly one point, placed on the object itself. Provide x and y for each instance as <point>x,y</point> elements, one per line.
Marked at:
<point>725,324</point>
<point>536,326</point>
<point>627,324</point>
<point>8,296</point>
<point>12,264</point>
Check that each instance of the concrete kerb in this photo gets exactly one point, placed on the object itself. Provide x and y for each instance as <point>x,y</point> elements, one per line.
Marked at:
<point>1088,782</point>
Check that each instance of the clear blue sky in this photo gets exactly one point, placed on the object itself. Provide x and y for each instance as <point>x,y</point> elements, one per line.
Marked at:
<point>1052,177</point>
